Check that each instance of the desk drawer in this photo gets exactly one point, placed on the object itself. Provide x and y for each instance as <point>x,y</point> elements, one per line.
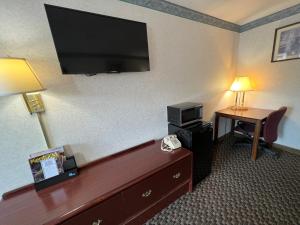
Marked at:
<point>108,212</point>
<point>152,189</point>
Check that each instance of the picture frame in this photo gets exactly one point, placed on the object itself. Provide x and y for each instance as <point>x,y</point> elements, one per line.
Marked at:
<point>286,44</point>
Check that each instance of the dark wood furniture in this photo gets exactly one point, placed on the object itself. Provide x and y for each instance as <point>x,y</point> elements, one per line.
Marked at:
<point>252,115</point>
<point>125,188</point>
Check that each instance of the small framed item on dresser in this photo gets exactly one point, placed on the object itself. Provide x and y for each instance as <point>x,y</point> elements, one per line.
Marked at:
<point>48,167</point>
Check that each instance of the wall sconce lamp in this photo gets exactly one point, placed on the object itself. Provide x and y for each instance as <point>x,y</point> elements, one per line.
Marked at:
<point>240,85</point>
<point>17,77</point>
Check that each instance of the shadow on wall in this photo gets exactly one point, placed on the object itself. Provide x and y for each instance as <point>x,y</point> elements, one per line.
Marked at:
<point>283,121</point>
<point>49,72</point>
<point>79,157</point>
<point>219,101</point>
<point>7,103</point>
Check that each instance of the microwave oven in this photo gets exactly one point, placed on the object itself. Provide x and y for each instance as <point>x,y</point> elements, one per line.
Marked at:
<point>184,113</point>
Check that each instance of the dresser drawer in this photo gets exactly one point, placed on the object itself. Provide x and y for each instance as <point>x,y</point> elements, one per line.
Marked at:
<point>108,212</point>
<point>152,189</point>
<point>150,212</point>
<point>178,173</point>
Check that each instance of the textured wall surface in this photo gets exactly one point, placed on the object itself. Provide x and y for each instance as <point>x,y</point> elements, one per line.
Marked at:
<point>277,84</point>
<point>100,115</point>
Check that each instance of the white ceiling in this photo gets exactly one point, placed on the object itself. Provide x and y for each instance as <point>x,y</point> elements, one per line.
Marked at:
<point>237,11</point>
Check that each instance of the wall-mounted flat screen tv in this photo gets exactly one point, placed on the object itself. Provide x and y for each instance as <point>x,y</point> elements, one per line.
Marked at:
<point>88,43</point>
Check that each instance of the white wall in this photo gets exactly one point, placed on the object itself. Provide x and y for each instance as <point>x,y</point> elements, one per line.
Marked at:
<point>100,115</point>
<point>277,84</point>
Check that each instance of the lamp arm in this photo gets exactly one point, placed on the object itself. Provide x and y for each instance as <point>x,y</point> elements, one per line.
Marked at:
<point>43,129</point>
<point>35,104</point>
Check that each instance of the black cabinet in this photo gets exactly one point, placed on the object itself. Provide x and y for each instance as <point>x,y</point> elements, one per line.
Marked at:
<point>198,138</point>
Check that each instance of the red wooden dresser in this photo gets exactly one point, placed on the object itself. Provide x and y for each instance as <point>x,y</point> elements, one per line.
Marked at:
<point>126,188</point>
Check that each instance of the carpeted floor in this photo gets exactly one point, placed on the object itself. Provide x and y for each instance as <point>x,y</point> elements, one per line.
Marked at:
<point>240,191</point>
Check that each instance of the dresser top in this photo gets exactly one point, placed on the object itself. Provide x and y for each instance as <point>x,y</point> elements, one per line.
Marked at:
<point>95,183</point>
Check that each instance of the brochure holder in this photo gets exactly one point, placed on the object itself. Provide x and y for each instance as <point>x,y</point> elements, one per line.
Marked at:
<point>70,171</point>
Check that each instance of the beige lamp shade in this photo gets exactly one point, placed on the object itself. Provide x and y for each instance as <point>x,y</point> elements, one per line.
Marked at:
<point>17,77</point>
<point>241,84</point>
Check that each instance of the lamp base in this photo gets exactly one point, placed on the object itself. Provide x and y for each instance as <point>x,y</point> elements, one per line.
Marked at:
<point>238,108</point>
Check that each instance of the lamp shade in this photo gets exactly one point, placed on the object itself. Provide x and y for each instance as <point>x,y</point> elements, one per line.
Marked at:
<point>17,77</point>
<point>241,84</point>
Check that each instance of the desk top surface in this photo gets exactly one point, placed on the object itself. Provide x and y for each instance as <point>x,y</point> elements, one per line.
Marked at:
<point>94,184</point>
<point>251,113</point>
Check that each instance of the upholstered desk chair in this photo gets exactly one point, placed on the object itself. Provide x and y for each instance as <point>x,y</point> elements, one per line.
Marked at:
<point>269,131</point>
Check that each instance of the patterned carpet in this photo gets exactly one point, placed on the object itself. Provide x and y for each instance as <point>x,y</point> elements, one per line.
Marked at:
<point>240,191</point>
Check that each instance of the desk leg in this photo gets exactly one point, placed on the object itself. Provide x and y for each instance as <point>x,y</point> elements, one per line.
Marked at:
<point>256,139</point>
<point>216,130</point>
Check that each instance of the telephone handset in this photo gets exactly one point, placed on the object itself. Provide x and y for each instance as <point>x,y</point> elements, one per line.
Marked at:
<point>170,142</point>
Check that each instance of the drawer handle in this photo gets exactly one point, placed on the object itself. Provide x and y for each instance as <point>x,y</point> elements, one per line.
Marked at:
<point>177,175</point>
<point>147,194</point>
<point>98,222</point>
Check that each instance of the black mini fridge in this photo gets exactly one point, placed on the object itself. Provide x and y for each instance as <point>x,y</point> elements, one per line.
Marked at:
<point>198,138</point>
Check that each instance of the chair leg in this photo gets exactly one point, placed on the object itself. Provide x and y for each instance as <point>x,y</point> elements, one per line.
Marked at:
<point>267,148</point>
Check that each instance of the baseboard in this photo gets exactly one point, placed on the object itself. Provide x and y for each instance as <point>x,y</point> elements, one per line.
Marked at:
<point>223,137</point>
<point>286,149</point>
<point>276,146</point>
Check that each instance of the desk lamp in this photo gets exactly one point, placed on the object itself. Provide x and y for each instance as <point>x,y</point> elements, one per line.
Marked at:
<point>240,85</point>
<point>17,77</point>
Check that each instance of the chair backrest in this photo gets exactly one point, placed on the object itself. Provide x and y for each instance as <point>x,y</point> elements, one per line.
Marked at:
<point>270,132</point>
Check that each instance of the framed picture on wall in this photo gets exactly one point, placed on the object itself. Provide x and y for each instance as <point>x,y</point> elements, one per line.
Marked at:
<point>286,43</point>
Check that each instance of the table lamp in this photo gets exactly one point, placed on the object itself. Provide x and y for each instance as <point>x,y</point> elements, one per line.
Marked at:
<point>240,85</point>
<point>17,77</point>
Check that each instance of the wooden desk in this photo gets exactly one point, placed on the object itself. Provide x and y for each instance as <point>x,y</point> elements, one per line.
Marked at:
<point>252,115</point>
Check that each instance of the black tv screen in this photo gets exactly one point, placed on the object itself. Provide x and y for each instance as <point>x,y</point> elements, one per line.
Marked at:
<point>88,43</point>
